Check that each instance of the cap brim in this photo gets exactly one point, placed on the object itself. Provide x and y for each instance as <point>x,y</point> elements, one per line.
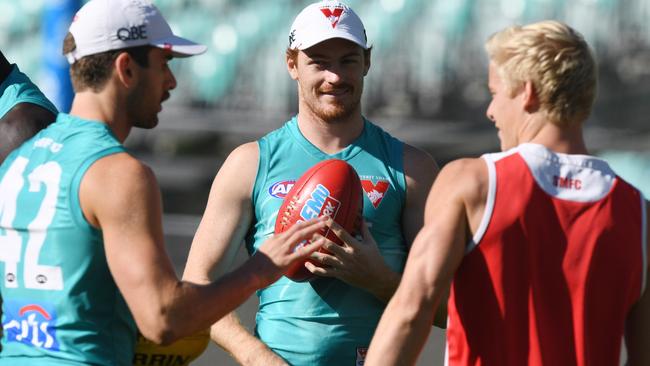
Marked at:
<point>180,47</point>
<point>343,35</point>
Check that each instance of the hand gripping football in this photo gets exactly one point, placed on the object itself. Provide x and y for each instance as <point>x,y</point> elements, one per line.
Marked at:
<point>331,187</point>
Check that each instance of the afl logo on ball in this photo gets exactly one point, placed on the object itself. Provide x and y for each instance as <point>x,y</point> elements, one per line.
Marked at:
<point>280,189</point>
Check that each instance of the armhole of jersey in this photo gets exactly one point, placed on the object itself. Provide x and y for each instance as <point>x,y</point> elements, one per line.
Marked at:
<point>644,243</point>
<point>77,215</point>
<point>260,176</point>
<point>36,101</point>
<point>399,173</point>
<point>489,205</point>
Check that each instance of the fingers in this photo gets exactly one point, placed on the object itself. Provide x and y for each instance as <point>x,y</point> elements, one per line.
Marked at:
<point>341,233</point>
<point>320,271</point>
<point>303,230</point>
<point>326,259</point>
<point>308,249</point>
<point>336,249</point>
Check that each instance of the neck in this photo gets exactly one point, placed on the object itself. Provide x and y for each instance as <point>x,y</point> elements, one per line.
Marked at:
<point>562,139</point>
<point>102,107</point>
<point>5,67</point>
<point>330,136</point>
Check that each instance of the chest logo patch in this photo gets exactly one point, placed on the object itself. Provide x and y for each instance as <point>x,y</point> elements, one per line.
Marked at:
<point>375,192</point>
<point>281,188</point>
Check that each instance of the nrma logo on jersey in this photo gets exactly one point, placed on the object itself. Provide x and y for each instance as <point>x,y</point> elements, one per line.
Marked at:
<point>31,324</point>
<point>319,204</point>
<point>281,188</point>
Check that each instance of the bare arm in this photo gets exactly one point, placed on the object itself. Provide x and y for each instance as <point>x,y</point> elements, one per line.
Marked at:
<point>436,253</point>
<point>637,330</point>
<point>245,348</point>
<point>120,195</point>
<point>21,123</point>
<point>227,217</point>
<point>360,263</point>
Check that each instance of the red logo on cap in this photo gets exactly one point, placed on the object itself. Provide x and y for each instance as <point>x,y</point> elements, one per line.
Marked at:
<point>333,16</point>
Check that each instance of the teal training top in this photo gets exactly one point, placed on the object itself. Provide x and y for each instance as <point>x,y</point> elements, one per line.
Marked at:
<point>61,305</point>
<point>325,321</point>
<point>17,88</point>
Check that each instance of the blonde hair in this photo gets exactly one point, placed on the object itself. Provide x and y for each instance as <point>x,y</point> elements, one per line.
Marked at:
<point>556,59</point>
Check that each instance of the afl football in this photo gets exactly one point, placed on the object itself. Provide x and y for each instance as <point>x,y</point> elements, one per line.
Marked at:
<point>331,187</point>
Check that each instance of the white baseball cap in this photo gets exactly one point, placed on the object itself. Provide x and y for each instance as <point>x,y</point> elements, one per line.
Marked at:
<point>106,25</point>
<point>324,20</point>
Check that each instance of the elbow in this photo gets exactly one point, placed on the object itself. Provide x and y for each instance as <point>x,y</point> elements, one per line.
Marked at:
<point>158,329</point>
<point>159,335</point>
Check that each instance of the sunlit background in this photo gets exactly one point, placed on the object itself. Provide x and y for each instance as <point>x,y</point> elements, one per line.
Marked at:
<point>427,85</point>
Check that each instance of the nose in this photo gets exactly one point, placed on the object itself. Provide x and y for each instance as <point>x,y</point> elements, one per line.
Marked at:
<point>333,75</point>
<point>171,81</point>
<point>488,113</point>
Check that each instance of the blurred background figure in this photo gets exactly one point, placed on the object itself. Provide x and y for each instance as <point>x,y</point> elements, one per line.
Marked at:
<point>427,85</point>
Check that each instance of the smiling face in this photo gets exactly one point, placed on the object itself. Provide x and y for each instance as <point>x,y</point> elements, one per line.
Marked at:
<point>330,78</point>
<point>506,109</point>
<point>155,82</point>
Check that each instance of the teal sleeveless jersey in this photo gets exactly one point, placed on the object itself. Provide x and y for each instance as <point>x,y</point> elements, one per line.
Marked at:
<point>325,321</point>
<point>61,305</point>
<point>17,88</point>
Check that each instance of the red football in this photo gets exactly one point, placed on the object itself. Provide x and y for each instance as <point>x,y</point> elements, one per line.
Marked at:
<point>331,187</point>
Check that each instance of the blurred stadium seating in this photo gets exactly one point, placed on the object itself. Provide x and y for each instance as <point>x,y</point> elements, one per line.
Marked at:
<point>428,59</point>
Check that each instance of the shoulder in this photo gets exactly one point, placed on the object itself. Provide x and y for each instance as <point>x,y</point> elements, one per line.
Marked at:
<point>31,111</point>
<point>119,174</point>
<point>419,167</point>
<point>238,172</point>
<point>469,169</point>
<point>115,185</point>
<point>415,158</point>
<point>242,161</point>
<point>245,152</point>
<point>28,117</point>
<point>466,178</point>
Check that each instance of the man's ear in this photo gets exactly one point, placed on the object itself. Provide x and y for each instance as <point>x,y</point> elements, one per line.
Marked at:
<point>531,99</point>
<point>292,66</point>
<point>366,62</point>
<point>125,69</point>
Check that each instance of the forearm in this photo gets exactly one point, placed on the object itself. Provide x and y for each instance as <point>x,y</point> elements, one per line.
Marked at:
<point>385,285</point>
<point>191,307</point>
<point>245,348</point>
<point>401,333</point>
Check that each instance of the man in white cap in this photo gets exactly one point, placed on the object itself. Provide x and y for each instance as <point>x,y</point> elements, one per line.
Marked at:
<point>81,244</point>
<point>330,319</point>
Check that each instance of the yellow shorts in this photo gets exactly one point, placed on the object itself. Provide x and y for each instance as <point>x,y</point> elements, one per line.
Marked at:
<point>180,353</point>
